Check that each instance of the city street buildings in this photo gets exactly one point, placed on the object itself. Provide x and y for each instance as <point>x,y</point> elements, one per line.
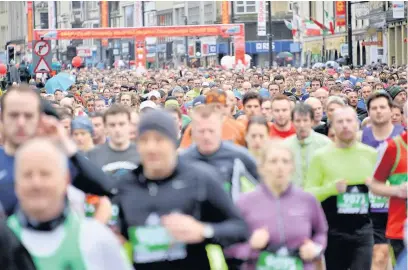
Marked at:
<point>376,35</point>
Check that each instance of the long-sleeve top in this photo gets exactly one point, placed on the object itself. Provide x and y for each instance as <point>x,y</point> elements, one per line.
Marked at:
<point>84,175</point>
<point>290,219</point>
<point>192,189</point>
<point>303,152</point>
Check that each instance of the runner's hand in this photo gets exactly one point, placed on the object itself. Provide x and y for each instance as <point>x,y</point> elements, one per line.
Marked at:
<point>53,129</point>
<point>308,251</point>
<point>368,181</point>
<point>259,238</point>
<point>401,191</point>
<point>184,228</point>
<point>341,186</point>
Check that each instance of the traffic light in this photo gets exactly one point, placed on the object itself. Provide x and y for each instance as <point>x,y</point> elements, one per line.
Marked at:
<point>10,54</point>
<point>198,48</point>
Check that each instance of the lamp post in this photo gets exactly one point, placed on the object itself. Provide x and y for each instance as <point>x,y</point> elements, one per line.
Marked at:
<point>186,42</point>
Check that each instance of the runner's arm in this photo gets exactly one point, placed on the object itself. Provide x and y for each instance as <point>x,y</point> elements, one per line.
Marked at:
<point>218,210</point>
<point>315,181</point>
<point>89,178</point>
<point>385,162</point>
<point>319,225</point>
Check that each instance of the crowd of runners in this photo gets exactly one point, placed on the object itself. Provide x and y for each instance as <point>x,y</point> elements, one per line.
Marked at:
<point>267,169</point>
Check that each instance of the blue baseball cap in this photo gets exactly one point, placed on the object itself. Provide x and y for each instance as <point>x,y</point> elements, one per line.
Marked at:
<point>264,93</point>
<point>200,100</point>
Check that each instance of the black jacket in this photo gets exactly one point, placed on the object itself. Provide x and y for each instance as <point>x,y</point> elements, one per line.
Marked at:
<point>193,190</point>
<point>13,255</point>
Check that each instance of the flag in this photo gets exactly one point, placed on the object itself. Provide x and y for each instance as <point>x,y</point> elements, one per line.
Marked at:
<point>311,29</point>
<point>324,28</point>
<point>329,19</point>
<point>290,26</point>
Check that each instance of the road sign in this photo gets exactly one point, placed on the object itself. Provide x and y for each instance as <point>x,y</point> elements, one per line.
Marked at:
<point>42,57</point>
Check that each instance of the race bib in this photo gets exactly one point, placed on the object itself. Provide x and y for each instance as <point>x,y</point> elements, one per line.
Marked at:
<point>154,244</point>
<point>90,212</point>
<point>378,204</point>
<point>271,261</point>
<point>352,203</point>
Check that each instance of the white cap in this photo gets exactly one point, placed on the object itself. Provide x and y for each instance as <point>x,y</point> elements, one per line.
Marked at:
<point>155,94</point>
<point>205,84</point>
<point>147,104</point>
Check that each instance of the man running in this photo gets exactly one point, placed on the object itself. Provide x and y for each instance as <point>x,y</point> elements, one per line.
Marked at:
<point>305,142</point>
<point>171,207</point>
<point>21,113</point>
<point>55,237</point>
<point>381,128</point>
<point>229,160</point>
<point>392,166</point>
<point>336,176</point>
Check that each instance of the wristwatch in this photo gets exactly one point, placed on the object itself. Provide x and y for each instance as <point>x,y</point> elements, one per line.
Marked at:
<point>208,231</point>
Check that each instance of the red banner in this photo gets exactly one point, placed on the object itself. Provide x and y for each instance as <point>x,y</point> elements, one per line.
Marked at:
<point>132,32</point>
<point>104,19</point>
<point>340,13</point>
<point>225,12</point>
<point>30,22</point>
<point>239,44</point>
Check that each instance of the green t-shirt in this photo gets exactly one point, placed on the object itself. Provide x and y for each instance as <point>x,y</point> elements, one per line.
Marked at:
<point>330,164</point>
<point>185,120</point>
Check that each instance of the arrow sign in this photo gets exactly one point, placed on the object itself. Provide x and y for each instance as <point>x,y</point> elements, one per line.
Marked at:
<point>42,67</point>
<point>42,56</point>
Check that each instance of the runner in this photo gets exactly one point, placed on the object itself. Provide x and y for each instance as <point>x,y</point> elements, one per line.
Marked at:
<point>276,239</point>
<point>305,142</point>
<point>333,179</point>
<point>282,126</point>
<point>381,128</point>
<point>230,161</point>
<point>82,133</point>
<point>21,113</point>
<point>99,137</point>
<point>67,241</point>
<point>232,130</point>
<point>172,219</point>
<point>256,135</point>
<point>392,166</point>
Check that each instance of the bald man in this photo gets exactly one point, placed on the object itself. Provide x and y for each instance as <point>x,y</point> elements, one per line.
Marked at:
<point>317,109</point>
<point>336,176</point>
<point>246,87</point>
<point>67,240</point>
<point>322,95</point>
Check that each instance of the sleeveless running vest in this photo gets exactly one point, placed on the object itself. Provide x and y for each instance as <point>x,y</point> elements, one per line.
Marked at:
<point>67,256</point>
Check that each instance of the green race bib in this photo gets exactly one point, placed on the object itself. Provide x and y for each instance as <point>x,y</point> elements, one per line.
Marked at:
<point>271,261</point>
<point>378,204</point>
<point>153,244</point>
<point>352,203</point>
<point>90,212</point>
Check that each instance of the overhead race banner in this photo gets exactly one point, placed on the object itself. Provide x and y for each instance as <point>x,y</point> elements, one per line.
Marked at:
<point>261,18</point>
<point>131,32</point>
<point>104,19</point>
<point>30,22</point>
<point>225,12</point>
<point>340,13</point>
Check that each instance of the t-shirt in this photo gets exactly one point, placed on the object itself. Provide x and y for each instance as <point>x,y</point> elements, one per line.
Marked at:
<point>274,132</point>
<point>392,166</point>
<point>114,163</point>
<point>330,164</point>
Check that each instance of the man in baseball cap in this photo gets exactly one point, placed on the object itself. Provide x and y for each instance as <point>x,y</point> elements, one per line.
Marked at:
<point>232,130</point>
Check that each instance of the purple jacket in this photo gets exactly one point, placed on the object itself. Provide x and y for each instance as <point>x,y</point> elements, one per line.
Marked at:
<point>291,218</point>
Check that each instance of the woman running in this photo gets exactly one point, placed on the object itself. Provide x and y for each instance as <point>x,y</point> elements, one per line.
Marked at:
<point>288,226</point>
